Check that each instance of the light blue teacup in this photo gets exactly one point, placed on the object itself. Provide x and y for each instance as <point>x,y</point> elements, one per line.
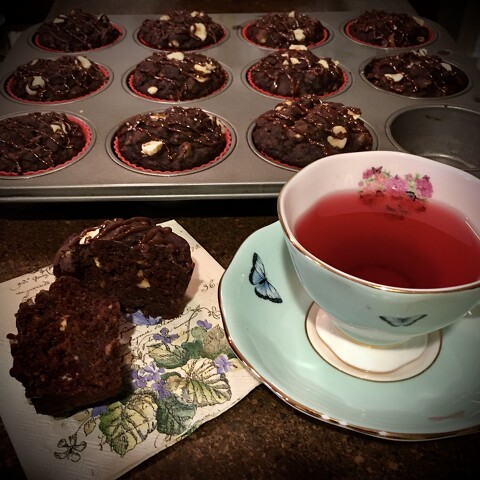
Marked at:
<point>360,325</point>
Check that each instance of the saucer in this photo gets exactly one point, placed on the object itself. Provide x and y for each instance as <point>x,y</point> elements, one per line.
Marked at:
<point>265,309</point>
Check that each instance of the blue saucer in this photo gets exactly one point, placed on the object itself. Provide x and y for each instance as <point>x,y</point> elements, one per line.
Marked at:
<point>264,309</point>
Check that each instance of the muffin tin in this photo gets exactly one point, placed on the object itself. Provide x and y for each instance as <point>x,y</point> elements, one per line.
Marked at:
<point>437,128</point>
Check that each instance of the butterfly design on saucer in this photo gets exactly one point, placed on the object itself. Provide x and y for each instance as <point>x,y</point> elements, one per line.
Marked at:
<point>258,278</point>
<point>402,321</point>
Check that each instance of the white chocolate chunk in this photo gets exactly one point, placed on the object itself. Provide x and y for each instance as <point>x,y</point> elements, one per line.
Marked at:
<point>423,52</point>
<point>446,66</point>
<point>30,91</point>
<point>58,20</point>
<point>285,62</point>
<point>86,63</point>
<point>336,142</point>
<point>286,103</point>
<point>323,63</point>
<point>89,235</point>
<point>294,61</point>
<point>144,283</point>
<point>200,31</point>
<point>291,14</point>
<point>152,90</point>
<point>396,77</point>
<point>58,127</point>
<point>97,262</point>
<point>174,43</point>
<point>152,147</point>
<point>353,114</point>
<point>33,62</point>
<point>205,68</point>
<point>299,35</point>
<point>63,324</point>
<point>164,18</point>
<point>176,56</point>
<point>297,47</point>
<point>339,129</point>
<point>38,81</point>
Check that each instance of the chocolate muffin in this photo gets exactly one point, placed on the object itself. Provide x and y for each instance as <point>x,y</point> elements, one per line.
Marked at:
<point>388,30</point>
<point>181,30</point>
<point>280,30</point>
<point>55,80</point>
<point>416,74</point>
<point>67,351</point>
<point>296,72</point>
<point>173,140</point>
<point>299,132</point>
<point>39,141</point>
<point>77,31</point>
<point>177,76</point>
<point>142,265</point>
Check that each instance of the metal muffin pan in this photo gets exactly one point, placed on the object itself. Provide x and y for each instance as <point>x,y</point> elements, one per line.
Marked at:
<point>243,173</point>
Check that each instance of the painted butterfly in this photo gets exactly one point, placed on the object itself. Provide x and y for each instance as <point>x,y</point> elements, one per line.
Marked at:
<point>402,321</point>
<point>258,278</point>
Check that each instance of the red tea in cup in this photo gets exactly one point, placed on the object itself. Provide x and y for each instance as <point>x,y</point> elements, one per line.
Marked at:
<point>394,241</point>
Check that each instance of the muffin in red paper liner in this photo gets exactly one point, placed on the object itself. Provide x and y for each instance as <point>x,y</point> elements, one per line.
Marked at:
<point>295,72</point>
<point>280,30</point>
<point>416,74</point>
<point>77,31</point>
<point>41,142</point>
<point>297,132</point>
<point>177,76</point>
<point>173,141</point>
<point>57,80</point>
<point>378,28</point>
<point>181,30</point>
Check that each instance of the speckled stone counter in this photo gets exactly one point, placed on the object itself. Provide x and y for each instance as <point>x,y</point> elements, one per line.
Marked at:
<point>261,437</point>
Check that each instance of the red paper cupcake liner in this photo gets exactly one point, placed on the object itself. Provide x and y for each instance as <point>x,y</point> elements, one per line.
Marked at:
<point>276,162</point>
<point>9,83</point>
<point>431,37</point>
<point>143,42</point>
<point>167,100</point>
<point>37,43</point>
<point>251,42</point>
<point>87,132</point>
<point>217,159</point>
<point>270,94</point>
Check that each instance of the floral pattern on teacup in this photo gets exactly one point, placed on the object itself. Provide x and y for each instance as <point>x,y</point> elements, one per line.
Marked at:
<point>400,194</point>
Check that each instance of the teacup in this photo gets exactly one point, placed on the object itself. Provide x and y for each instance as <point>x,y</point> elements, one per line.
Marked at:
<point>387,244</point>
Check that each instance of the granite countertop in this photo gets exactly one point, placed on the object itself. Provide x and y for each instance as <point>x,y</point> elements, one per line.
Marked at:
<point>261,437</point>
